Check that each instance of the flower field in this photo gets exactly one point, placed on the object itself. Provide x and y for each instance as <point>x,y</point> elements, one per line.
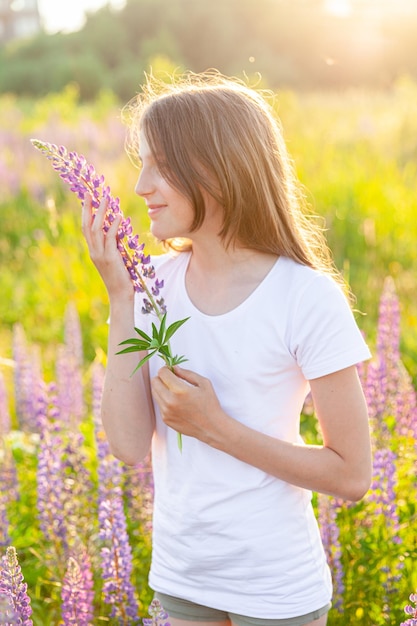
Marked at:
<point>75,523</point>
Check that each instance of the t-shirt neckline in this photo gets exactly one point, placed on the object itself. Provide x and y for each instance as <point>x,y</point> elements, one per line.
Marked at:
<point>245,303</point>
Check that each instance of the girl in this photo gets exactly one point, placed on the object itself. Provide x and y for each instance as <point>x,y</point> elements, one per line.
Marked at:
<point>235,538</point>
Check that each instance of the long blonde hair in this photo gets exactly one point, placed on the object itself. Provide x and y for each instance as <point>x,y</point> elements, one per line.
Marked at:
<point>210,132</point>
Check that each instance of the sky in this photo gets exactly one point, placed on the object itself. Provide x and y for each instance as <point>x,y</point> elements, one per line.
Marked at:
<point>68,15</point>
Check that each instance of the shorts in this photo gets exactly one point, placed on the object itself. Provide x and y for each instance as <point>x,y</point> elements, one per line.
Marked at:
<point>185,610</point>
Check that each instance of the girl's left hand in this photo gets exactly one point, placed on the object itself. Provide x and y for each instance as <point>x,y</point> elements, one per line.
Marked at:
<point>188,403</point>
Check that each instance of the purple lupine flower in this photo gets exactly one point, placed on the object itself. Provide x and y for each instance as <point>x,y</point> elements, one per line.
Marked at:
<point>139,493</point>
<point>16,607</point>
<point>158,615</point>
<point>328,509</point>
<point>7,468</point>
<point>8,492</point>
<point>4,522</point>
<point>63,482</point>
<point>384,371</point>
<point>77,591</point>
<point>83,179</point>
<point>27,379</point>
<point>69,370</point>
<point>406,417</point>
<point>388,338</point>
<point>50,489</point>
<point>411,611</point>
<point>5,421</point>
<point>76,488</point>
<point>374,389</point>
<point>116,562</point>
<point>73,337</point>
<point>382,491</point>
<point>110,469</point>
<point>116,554</point>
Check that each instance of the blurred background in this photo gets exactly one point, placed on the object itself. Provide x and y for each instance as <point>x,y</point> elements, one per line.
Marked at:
<point>301,44</point>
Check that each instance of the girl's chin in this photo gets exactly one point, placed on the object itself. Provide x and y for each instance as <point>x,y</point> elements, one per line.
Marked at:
<point>162,234</point>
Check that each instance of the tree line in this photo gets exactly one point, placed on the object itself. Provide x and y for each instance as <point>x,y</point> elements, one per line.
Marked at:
<point>296,44</point>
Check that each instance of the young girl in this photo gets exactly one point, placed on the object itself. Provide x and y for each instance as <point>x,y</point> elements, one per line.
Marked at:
<point>235,539</point>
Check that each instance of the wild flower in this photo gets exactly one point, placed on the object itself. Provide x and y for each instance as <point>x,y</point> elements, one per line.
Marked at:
<point>382,390</point>
<point>411,611</point>
<point>16,608</point>
<point>63,482</point>
<point>8,491</point>
<point>328,509</point>
<point>83,179</point>
<point>69,370</point>
<point>109,469</point>
<point>116,553</point>
<point>158,615</point>
<point>382,491</point>
<point>50,488</point>
<point>5,421</point>
<point>27,379</point>
<point>116,562</point>
<point>138,488</point>
<point>77,591</point>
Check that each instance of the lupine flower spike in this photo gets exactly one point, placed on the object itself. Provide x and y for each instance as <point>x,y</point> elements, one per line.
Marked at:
<point>158,615</point>
<point>14,601</point>
<point>411,611</point>
<point>77,592</point>
<point>83,179</point>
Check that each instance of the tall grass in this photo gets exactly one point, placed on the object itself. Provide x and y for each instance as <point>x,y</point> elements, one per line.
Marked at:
<point>355,154</point>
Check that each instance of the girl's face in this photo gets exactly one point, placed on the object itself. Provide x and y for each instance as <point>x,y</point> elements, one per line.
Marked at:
<point>170,212</point>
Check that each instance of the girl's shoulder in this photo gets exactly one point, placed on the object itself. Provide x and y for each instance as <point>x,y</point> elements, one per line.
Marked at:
<point>300,278</point>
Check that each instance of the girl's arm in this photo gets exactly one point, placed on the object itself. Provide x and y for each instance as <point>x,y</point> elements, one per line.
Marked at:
<point>341,467</point>
<point>127,410</point>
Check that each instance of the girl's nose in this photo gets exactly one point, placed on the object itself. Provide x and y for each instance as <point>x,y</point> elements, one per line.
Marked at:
<point>143,185</point>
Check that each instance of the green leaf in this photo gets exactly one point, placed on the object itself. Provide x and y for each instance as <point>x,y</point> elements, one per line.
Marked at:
<point>143,361</point>
<point>155,333</point>
<point>178,359</point>
<point>173,328</point>
<point>162,329</point>
<point>154,343</point>
<point>134,342</point>
<point>165,351</point>
<point>142,334</point>
<point>134,349</point>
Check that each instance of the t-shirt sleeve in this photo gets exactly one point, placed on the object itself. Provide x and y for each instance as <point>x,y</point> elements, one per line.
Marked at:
<point>325,337</point>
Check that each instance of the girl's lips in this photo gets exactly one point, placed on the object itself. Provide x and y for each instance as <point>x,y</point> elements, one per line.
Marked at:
<point>153,209</point>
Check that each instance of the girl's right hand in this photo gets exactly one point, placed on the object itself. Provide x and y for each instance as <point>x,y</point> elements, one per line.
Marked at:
<point>103,250</point>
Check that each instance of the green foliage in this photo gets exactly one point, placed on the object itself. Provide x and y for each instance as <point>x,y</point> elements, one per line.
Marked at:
<point>157,344</point>
<point>296,44</point>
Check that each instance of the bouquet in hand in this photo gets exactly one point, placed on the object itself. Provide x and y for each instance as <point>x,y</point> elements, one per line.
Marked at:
<point>83,179</point>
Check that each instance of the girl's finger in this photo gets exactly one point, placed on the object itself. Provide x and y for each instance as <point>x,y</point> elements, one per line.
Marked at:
<point>111,234</point>
<point>99,217</point>
<point>86,214</point>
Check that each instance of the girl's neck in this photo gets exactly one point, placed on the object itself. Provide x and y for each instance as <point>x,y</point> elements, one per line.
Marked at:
<point>213,257</point>
<point>219,279</point>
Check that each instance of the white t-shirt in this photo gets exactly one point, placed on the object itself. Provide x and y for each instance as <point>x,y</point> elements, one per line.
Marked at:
<point>226,534</point>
